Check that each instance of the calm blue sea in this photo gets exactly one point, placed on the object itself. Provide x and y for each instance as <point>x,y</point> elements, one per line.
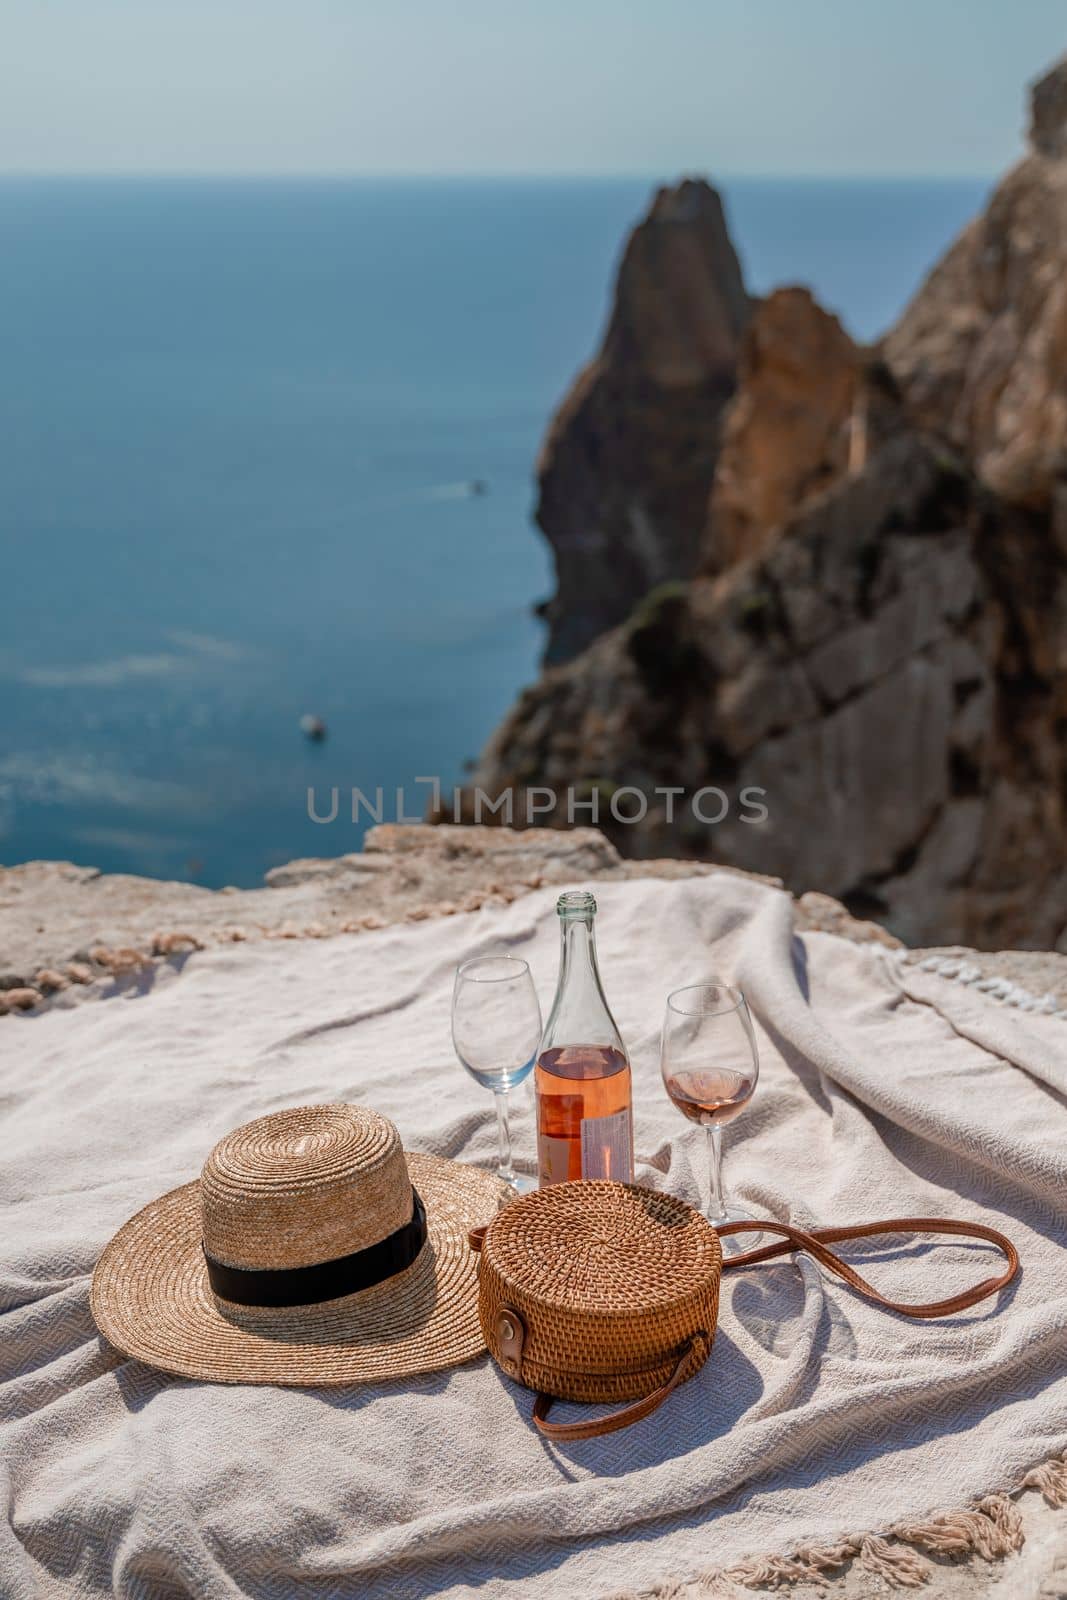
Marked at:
<point>238,422</point>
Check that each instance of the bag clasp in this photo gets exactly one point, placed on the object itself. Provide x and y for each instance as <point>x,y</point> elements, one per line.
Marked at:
<point>510,1338</point>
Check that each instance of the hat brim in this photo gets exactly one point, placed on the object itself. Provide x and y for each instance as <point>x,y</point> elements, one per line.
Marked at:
<point>151,1298</point>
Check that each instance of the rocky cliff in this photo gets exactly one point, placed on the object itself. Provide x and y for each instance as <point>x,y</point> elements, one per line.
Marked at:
<point>627,466</point>
<point>811,406</point>
<point>981,353</point>
<point>876,635</point>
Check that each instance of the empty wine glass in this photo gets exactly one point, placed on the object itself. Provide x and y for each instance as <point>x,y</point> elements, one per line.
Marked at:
<point>496,1028</point>
<point>710,1065</point>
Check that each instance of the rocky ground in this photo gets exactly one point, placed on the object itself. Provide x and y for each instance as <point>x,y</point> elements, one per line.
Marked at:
<point>62,924</point>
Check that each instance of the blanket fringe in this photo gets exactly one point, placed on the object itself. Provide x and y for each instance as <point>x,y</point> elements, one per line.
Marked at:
<point>990,1529</point>
<point>903,1568</point>
<point>774,1572</point>
<point>960,970</point>
<point>1051,1478</point>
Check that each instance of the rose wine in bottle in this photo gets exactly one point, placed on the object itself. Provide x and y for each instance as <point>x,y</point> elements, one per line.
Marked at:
<point>582,1078</point>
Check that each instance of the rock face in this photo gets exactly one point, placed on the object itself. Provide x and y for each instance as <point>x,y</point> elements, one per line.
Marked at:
<point>811,405</point>
<point>1048,112</point>
<point>871,677</point>
<point>981,352</point>
<point>627,466</point>
<point>880,642</point>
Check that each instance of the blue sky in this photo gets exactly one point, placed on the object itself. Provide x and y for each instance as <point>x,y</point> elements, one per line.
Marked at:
<point>643,87</point>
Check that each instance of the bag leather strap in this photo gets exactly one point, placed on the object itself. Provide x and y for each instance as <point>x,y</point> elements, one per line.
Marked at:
<point>815,1242</point>
<point>593,1427</point>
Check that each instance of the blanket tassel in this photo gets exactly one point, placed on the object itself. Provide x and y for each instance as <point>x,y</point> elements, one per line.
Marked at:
<point>1051,1478</point>
<point>990,1529</point>
<point>905,1569</point>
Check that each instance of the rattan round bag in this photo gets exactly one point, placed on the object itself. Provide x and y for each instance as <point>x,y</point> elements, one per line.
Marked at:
<point>608,1292</point>
<point>598,1291</point>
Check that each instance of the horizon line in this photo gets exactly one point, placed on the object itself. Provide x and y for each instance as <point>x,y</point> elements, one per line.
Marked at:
<point>310,175</point>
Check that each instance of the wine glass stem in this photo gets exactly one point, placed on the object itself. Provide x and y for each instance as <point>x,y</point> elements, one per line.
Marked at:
<point>503,1137</point>
<point>717,1204</point>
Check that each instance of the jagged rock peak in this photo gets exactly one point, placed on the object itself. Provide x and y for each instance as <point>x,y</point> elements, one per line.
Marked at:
<point>686,201</point>
<point>680,301</point>
<point>1048,111</point>
<point>627,465</point>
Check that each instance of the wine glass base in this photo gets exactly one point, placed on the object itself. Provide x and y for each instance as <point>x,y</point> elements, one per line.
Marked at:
<point>735,1244</point>
<point>518,1182</point>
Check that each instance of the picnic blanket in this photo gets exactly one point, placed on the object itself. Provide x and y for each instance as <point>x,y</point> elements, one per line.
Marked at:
<point>884,1090</point>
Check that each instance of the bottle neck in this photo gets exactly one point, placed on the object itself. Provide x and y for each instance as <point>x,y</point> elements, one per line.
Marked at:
<point>577,955</point>
<point>580,1014</point>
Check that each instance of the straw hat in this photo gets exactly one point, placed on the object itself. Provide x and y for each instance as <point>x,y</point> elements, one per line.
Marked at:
<point>312,1250</point>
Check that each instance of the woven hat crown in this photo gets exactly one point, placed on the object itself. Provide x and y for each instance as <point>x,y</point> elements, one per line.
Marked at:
<point>304,1186</point>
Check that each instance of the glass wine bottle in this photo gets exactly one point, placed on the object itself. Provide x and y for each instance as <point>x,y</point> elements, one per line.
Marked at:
<point>582,1078</point>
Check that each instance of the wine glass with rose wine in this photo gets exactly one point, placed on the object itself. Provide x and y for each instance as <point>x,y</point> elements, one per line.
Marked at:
<point>710,1065</point>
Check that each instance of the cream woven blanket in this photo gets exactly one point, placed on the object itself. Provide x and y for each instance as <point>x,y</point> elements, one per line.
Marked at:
<point>884,1091</point>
